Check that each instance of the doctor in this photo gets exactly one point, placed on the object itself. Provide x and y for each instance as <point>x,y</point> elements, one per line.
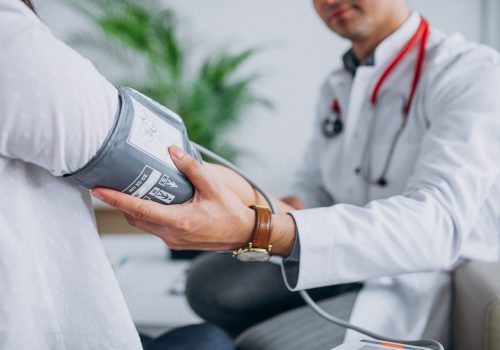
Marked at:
<point>401,179</point>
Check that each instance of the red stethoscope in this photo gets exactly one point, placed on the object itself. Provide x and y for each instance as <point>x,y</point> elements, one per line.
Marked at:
<point>333,125</point>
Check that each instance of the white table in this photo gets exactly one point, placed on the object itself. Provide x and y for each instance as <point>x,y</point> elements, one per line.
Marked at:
<point>152,284</point>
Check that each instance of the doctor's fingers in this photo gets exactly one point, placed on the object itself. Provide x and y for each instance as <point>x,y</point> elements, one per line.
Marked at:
<point>199,176</point>
<point>160,231</point>
<point>176,239</point>
<point>135,207</point>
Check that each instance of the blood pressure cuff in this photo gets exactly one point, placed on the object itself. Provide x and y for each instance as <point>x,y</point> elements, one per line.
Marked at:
<point>134,158</point>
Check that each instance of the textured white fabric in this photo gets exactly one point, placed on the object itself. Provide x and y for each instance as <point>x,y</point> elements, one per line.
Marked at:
<point>442,202</point>
<point>57,289</point>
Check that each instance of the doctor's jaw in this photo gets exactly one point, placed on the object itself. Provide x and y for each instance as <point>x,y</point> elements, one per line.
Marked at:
<point>366,23</point>
<point>358,20</point>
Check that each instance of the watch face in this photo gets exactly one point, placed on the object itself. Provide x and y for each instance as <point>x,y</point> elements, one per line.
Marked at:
<point>254,255</point>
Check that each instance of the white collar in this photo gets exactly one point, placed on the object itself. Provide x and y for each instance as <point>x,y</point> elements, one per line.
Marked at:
<point>385,51</point>
<point>391,45</point>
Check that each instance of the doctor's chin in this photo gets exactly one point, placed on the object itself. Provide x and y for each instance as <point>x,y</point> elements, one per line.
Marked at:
<point>250,175</point>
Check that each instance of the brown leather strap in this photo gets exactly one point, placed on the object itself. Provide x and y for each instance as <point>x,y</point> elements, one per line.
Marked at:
<point>262,229</point>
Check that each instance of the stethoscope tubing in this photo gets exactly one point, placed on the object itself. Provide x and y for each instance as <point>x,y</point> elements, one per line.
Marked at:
<point>332,126</point>
<point>309,301</point>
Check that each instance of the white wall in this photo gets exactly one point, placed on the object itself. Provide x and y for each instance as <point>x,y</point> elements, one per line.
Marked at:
<point>491,19</point>
<point>301,51</point>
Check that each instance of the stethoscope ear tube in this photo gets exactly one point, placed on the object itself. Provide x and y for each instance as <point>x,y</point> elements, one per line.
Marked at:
<point>425,343</point>
<point>332,126</point>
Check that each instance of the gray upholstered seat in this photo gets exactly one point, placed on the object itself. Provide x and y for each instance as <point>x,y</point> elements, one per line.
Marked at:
<point>475,319</point>
<point>476,307</point>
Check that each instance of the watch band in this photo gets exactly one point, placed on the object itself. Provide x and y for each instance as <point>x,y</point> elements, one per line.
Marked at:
<point>262,230</point>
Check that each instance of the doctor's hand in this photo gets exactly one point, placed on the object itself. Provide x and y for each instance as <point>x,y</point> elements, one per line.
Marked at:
<point>214,219</point>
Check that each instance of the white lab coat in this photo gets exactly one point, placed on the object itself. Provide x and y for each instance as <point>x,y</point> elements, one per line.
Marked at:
<point>442,202</point>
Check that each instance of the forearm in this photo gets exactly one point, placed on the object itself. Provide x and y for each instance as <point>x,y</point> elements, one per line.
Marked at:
<point>282,234</point>
<point>247,194</point>
<point>283,227</point>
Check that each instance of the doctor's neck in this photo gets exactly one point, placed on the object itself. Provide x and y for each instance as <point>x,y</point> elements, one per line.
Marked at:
<point>364,45</point>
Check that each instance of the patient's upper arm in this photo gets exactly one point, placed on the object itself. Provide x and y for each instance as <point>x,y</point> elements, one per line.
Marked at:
<point>56,109</point>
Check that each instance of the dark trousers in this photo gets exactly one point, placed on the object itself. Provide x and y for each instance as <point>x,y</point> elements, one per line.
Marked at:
<point>235,295</point>
<point>194,337</point>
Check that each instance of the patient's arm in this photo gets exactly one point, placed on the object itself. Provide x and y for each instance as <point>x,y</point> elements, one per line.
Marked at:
<point>56,110</point>
<point>247,194</point>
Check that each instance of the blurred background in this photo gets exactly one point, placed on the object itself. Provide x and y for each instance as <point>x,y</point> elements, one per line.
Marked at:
<point>295,53</point>
<point>243,74</point>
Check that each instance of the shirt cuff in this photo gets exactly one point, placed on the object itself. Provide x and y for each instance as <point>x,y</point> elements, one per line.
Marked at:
<point>291,264</point>
<point>295,254</point>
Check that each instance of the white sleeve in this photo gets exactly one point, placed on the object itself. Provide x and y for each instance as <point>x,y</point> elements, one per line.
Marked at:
<point>425,227</point>
<point>55,108</point>
<point>308,184</point>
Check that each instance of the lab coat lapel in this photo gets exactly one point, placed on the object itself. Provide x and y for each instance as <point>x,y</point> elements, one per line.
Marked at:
<point>359,107</point>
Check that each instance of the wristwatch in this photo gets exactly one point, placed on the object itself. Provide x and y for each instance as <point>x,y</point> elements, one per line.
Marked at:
<point>258,248</point>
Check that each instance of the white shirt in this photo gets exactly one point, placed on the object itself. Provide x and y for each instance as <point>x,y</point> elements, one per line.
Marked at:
<point>442,202</point>
<point>57,289</point>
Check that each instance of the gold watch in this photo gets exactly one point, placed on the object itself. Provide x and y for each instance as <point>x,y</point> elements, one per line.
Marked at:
<point>258,248</point>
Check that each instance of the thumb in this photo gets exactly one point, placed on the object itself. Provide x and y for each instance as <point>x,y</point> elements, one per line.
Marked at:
<point>194,171</point>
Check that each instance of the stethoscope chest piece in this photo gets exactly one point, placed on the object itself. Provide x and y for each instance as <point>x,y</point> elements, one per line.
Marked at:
<point>332,127</point>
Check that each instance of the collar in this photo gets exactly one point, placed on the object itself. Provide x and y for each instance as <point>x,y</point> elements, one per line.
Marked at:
<point>385,51</point>
<point>351,63</point>
<point>390,46</point>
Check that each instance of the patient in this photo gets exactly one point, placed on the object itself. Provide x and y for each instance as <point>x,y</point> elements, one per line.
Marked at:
<point>57,288</point>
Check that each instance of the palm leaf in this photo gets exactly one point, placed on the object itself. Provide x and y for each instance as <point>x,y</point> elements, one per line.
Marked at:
<point>210,100</point>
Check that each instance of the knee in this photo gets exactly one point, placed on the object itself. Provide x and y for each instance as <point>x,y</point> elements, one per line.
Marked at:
<point>198,287</point>
<point>218,284</point>
<point>209,285</point>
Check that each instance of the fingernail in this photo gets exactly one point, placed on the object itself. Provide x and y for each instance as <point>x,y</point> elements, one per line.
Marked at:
<point>97,194</point>
<point>177,151</point>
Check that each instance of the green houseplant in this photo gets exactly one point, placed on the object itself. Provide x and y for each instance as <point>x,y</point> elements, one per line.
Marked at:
<point>210,98</point>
